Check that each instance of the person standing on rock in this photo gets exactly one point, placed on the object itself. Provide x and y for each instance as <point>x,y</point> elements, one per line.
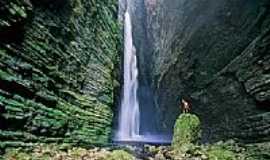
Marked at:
<point>185,106</point>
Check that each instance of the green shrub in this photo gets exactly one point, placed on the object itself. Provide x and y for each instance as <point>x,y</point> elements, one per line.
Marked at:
<point>186,131</point>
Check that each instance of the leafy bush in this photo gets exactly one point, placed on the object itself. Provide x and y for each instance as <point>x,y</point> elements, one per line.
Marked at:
<point>186,131</point>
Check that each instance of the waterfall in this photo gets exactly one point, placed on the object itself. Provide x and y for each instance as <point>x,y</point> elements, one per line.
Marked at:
<point>129,115</point>
<point>129,119</point>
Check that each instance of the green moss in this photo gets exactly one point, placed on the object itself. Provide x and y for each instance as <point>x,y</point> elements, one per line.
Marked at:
<point>77,7</point>
<point>13,11</point>
<point>258,151</point>
<point>17,154</point>
<point>6,76</point>
<point>219,153</point>
<point>120,155</point>
<point>186,131</point>
<point>60,72</point>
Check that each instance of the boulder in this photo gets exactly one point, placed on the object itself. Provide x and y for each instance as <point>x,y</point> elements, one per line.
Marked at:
<point>186,131</point>
<point>120,155</point>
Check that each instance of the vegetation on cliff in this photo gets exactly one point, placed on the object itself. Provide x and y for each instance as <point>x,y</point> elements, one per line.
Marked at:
<point>57,71</point>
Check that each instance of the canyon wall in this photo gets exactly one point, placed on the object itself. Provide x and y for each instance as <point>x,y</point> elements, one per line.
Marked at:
<point>215,54</point>
<point>59,68</point>
<point>57,74</point>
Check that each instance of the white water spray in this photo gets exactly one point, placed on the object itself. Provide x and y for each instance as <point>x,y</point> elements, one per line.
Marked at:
<point>129,119</point>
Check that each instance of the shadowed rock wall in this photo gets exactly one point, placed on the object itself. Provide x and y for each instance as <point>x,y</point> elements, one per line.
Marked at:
<point>57,63</point>
<point>215,53</point>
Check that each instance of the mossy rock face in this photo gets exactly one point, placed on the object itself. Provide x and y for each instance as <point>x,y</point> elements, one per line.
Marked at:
<point>56,79</point>
<point>186,130</point>
<point>120,155</point>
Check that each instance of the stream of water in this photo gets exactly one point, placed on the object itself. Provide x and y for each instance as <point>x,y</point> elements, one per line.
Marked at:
<point>129,120</point>
<point>129,116</point>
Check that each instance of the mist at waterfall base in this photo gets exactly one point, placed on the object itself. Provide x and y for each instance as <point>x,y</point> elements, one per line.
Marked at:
<point>136,116</point>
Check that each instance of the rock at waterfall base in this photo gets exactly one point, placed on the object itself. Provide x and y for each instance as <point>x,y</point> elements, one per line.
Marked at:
<point>120,155</point>
<point>186,131</point>
<point>61,152</point>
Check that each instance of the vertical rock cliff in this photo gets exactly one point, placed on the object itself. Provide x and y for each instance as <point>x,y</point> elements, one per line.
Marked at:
<point>57,76</point>
<point>216,55</point>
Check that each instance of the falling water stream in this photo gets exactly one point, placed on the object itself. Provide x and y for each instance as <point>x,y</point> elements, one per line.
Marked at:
<point>129,116</point>
<point>129,123</point>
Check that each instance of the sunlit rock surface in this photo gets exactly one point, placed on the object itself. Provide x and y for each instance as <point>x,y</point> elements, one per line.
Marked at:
<point>66,152</point>
<point>216,53</point>
<point>57,64</point>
